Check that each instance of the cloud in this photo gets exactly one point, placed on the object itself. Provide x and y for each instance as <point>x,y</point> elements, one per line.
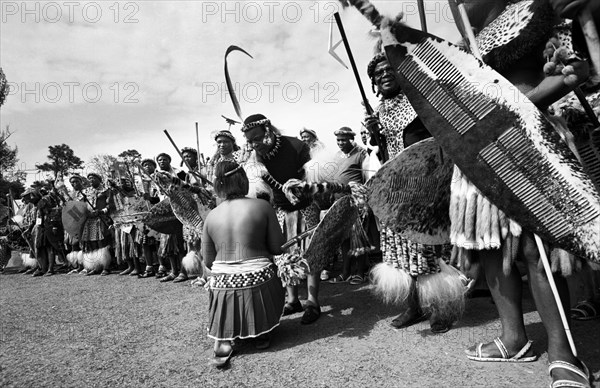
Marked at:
<point>156,65</point>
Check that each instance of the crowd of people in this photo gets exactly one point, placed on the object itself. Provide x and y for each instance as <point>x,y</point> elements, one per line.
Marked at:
<point>236,249</point>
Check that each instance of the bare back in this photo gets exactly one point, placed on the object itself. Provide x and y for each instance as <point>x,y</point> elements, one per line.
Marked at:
<point>239,229</point>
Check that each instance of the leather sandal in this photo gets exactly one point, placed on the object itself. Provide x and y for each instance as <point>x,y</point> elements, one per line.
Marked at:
<point>501,353</point>
<point>583,372</point>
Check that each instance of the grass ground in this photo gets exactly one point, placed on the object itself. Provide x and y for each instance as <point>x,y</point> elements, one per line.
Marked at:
<point>74,331</point>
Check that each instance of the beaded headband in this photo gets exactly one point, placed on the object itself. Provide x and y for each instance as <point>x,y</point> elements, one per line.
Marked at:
<point>149,161</point>
<point>226,134</point>
<point>189,149</point>
<point>255,124</point>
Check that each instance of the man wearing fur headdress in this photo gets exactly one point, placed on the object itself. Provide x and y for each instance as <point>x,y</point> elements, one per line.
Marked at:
<point>284,158</point>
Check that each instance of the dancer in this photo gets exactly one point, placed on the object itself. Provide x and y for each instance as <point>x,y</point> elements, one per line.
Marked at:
<point>240,237</point>
<point>416,287</point>
<point>284,158</point>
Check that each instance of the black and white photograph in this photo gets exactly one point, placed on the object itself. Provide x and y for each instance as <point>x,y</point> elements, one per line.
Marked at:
<point>320,193</point>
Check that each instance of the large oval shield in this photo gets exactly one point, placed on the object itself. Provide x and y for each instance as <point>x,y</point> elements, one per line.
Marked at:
<point>499,140</point>
<point>74,214</point>
<point>334,228</point>
<point>162,219</point>
<point>410,194</point>
<point>189,208</point>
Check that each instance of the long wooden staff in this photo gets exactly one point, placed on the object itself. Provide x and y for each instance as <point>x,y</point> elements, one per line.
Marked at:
<point>470,35</point>
<point>368,108</point>
<point>195,173</point>
<point>200,155</point>
<point>559,305</point>
<point>299,238</point>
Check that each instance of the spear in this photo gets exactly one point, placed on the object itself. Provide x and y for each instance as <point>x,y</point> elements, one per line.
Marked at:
<point>421,5</point>
<point>380,144</point>
<point>200,155</point>
<point>195,173</point>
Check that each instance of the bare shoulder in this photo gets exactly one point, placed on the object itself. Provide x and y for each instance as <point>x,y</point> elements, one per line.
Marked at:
<point>212,214</point>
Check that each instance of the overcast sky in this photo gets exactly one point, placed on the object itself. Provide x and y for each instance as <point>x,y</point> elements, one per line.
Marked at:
<point>108,76</point>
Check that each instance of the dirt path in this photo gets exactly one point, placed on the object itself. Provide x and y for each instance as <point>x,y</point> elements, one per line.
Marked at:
<point>74,331</point>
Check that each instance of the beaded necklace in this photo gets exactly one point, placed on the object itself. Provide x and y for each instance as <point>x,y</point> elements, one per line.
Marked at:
<point>269,155</point>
